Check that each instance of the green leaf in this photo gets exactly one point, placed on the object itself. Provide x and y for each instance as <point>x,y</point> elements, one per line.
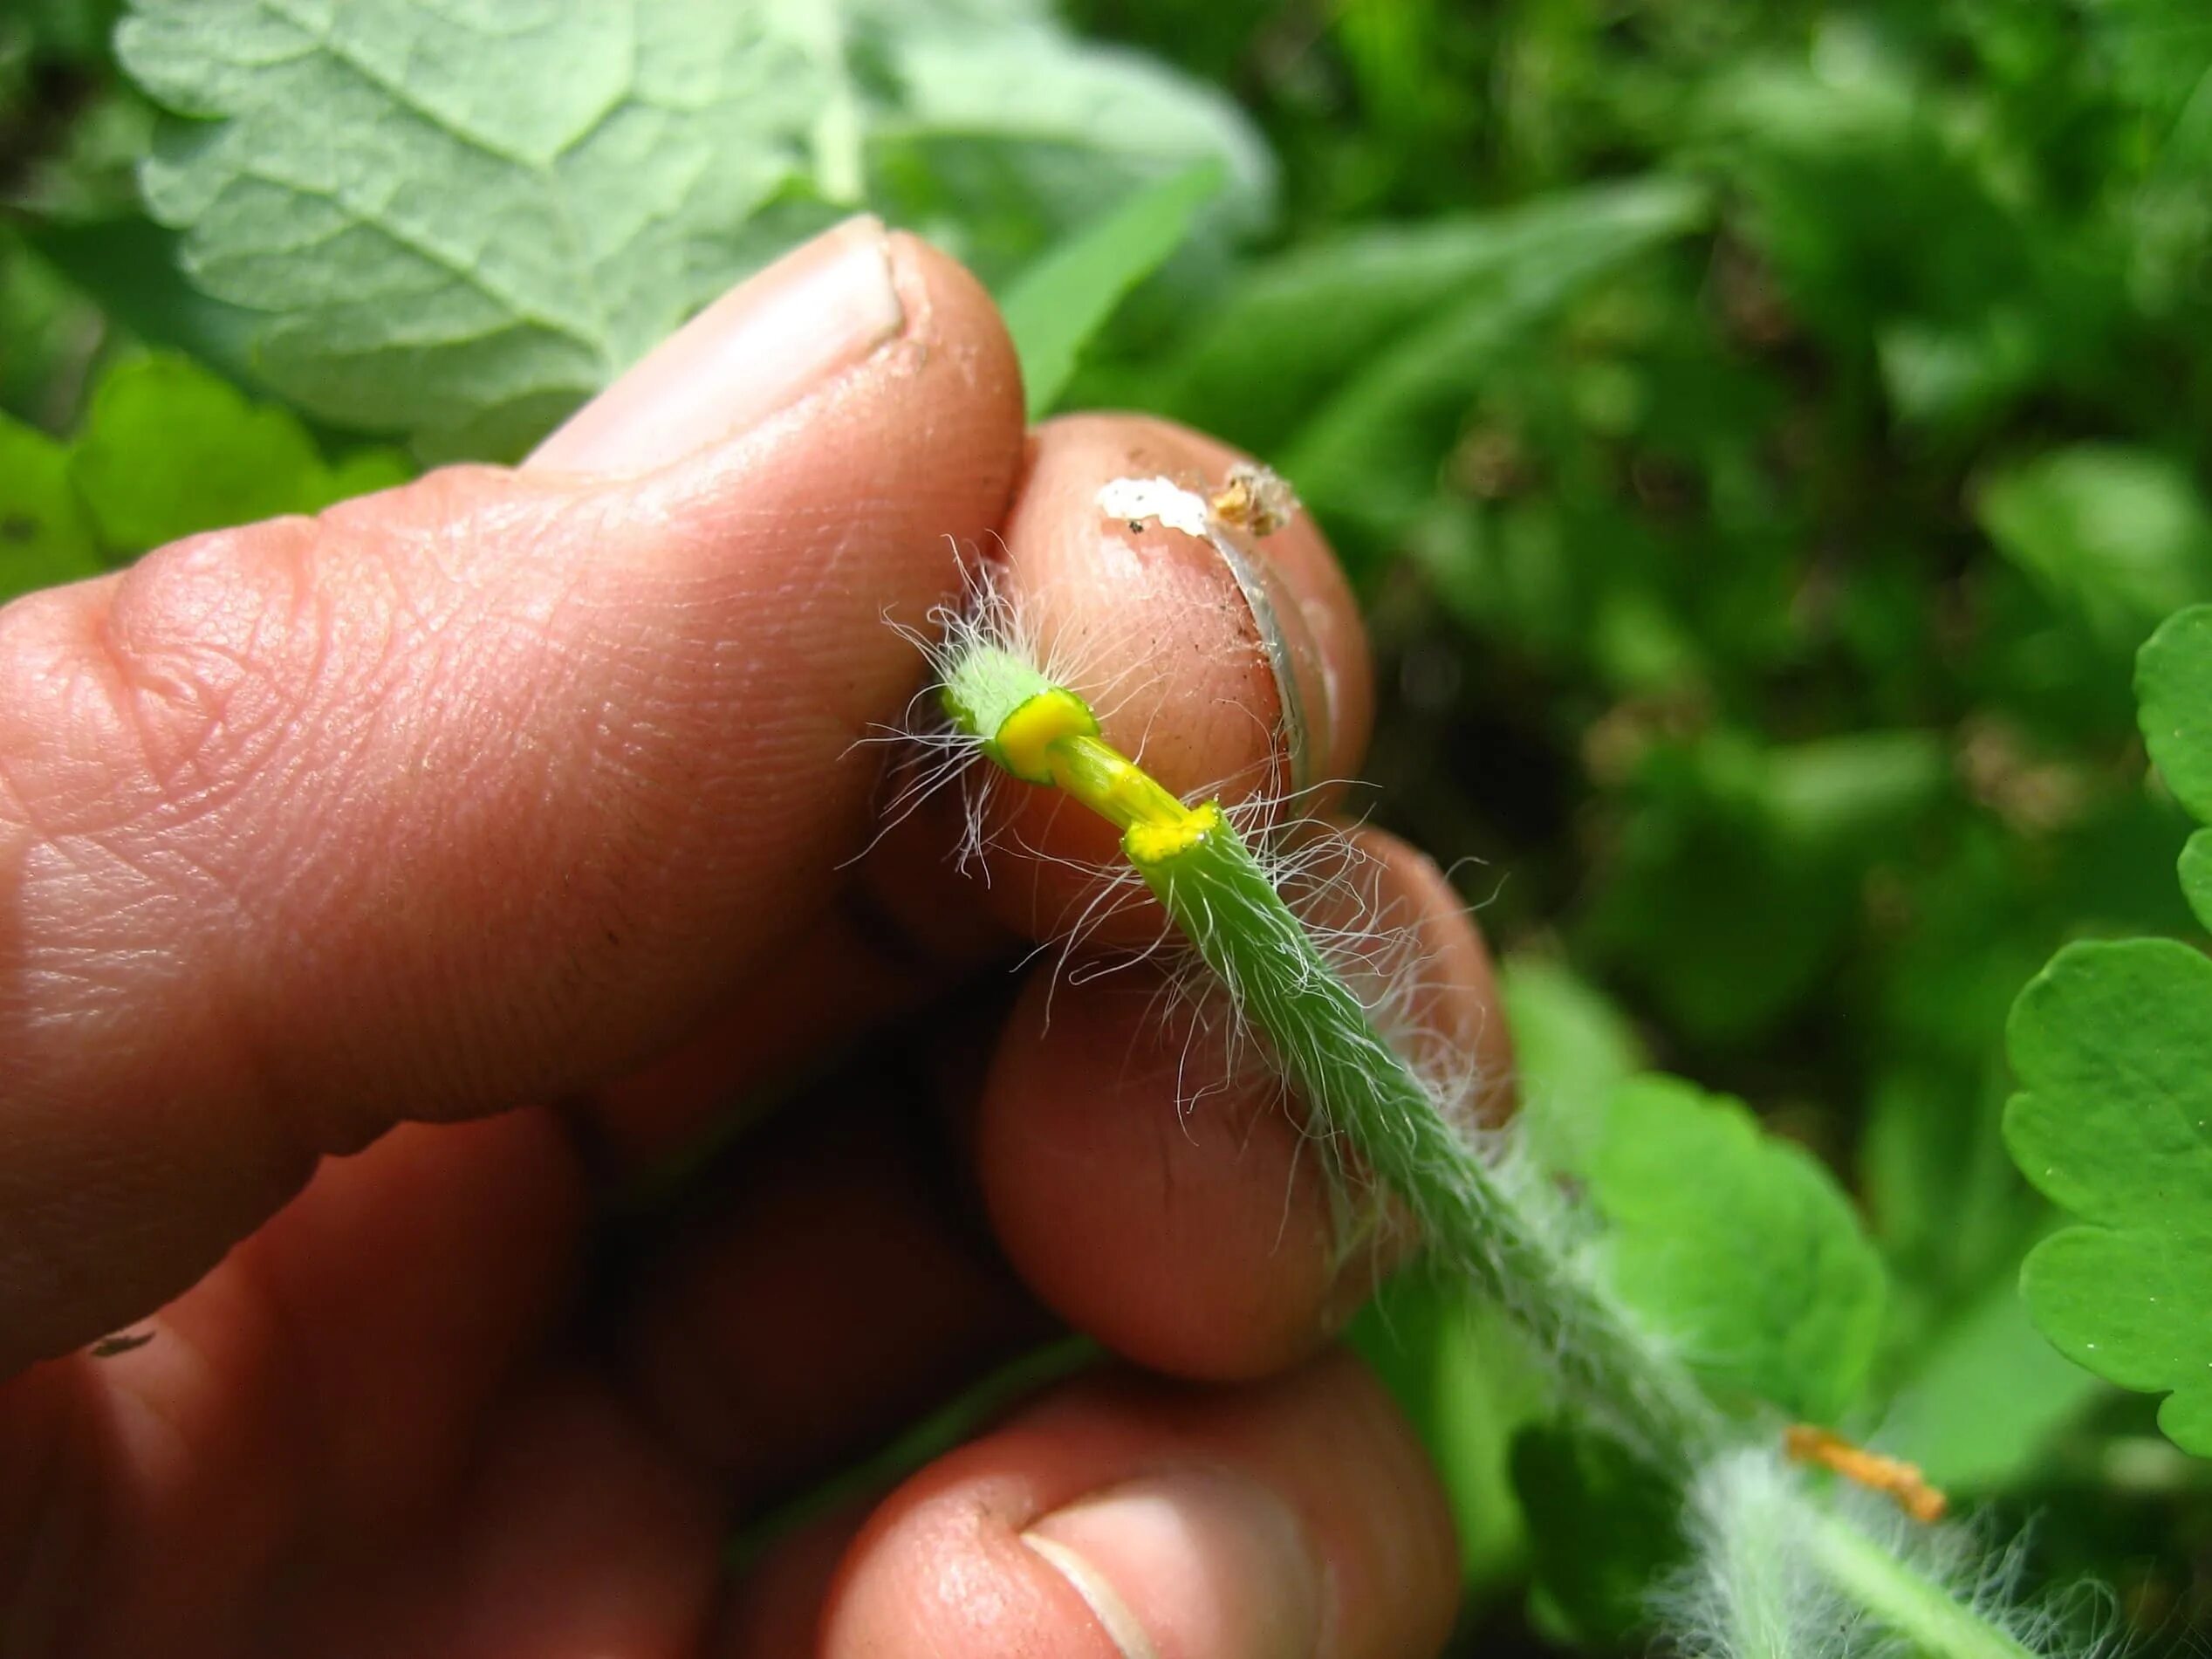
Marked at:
<point>168,450</point>
<point>2173,686</point>
<point>2111,1045</point>
<point>1369,452</point>
<point>1985,1404</point>
<point>1603,1529</point>
<point>44,536</point>
<point>1738,1248</point>
<point>1303,327</point>
<point>129,265</point>
<point>461,217</point>
<point>1573,1048</point>
<point>1056,306</point>
<point>2118,537</point>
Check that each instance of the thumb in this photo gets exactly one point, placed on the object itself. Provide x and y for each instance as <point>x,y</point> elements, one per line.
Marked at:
<point>467,793</point>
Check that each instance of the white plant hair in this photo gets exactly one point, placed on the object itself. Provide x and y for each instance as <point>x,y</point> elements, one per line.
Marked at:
<point>1778,1570</point>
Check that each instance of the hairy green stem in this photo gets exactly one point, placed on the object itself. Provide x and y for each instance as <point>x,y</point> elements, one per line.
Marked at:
<point>1903,1598</point>
<point>1471,1210</point>
<point>1358,1084</point>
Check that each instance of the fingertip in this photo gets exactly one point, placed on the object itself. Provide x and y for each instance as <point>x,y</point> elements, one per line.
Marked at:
<point>1425,962</point>
<point>1124,1516</point>
<point>954,317</point>
<point>1150,1176</point>
<point>1153,1196</point>
<point>521,770</point>
<point>1244,679</point>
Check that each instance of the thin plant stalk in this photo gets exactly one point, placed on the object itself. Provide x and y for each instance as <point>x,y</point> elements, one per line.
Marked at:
<point>1470,1210</point>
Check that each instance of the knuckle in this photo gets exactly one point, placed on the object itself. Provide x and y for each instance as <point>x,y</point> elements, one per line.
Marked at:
<point>210,649</point>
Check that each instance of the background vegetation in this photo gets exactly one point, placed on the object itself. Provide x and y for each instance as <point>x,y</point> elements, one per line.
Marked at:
<point>1761,436</point>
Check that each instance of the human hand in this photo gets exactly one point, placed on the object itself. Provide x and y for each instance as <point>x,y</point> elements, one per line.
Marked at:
<point>383,890</point>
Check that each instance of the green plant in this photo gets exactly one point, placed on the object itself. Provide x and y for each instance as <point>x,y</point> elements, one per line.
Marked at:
<point>1761,439</point>
<point>2112,1045</point>
<point>1778,1572</point>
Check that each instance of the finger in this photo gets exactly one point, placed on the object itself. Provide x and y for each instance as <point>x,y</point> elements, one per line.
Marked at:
<point>906,928</point>
<point>327,1381</point>
<point>1157,629</point>
<point>1167,638</point>
<point>839,1285</point>
<point>464,794</point>
<point>575,1537</point>
<point>776,1606</point>
<point>1127,1518</point>
<point>1171,1203</point>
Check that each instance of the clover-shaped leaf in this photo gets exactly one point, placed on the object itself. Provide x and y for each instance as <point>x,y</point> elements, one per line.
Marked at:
<point>1737,1248</point>
<point>2111,1045</point>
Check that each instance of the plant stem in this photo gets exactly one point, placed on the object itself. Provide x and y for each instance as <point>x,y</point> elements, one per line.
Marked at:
<point>1903,1598</point>
<point>1469,1208</point>
<point>1359,1086</point>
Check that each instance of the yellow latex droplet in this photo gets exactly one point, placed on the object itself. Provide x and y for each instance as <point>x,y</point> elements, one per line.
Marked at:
<point>1148,844</point>
<point>1053,738</point>
<point>1025,736</point>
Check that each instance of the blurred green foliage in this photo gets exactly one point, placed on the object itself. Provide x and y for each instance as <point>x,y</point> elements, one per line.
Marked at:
<point>1762,437</point>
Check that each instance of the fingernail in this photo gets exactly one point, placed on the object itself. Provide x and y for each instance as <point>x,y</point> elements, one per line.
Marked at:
<point>1302,681</point>
<point>1189,1561</point>
<point>761,347</point>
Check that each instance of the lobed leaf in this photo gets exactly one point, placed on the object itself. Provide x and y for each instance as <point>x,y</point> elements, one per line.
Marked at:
<point>1737,1248</point>
<point>2111,1046</point>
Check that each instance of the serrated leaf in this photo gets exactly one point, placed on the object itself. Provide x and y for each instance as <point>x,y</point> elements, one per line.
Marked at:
<point>2111,1045</point>
<point>1737,1248</point>
<point>459,217</point>
<point>167,450</point>
<point>44,536</point>
<point>2118,537</point>
<point>1053,308</point>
